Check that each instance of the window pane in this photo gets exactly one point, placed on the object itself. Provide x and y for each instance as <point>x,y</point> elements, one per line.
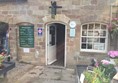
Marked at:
<point>91,26</point>
<point>103,26</point>
<point>99,46</point>
<point>90,33</point>
<point>89,46</point>
<point>84,33</point>
<point>102,40</point>
<point>96,40</point>
<point>90,40</point>
<point>83,39</point>
<point>83,46</point>
<point>96,33</point>
<point>84,27</point>
<point>102,33</point>
<point>97,26</point>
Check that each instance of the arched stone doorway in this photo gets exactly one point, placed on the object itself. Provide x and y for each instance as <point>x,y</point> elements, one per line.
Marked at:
<point>4,42</point>
<point>24,39</point>
<point>55,39</point>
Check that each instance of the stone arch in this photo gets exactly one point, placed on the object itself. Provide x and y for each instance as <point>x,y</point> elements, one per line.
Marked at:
<point>7,19</point>
<point>4,40</point>
<point>3,28</point>
<point>58,18</point>
<point>24,23</point>
<point>21,23</point>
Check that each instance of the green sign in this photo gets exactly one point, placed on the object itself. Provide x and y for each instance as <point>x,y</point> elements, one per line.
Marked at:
<point>26,36</point>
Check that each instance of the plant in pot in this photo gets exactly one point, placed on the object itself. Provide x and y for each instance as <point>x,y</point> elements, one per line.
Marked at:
<point>2,56</point>
<point>1,60</point>
<point>96,76</point>
<point>113,27</point>
<point>101,74</point>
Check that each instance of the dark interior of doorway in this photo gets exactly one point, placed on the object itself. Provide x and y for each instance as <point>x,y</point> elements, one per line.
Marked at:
<point>3,39</point>
<point>60,44</point>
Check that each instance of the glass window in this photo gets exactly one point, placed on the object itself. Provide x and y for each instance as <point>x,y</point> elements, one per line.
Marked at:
<point>94,37</point>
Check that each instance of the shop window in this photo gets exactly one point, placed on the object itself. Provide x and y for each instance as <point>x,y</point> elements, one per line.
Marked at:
<point>94,37</point>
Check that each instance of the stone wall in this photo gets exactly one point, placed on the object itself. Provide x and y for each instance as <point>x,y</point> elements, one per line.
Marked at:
<point>34,11</point>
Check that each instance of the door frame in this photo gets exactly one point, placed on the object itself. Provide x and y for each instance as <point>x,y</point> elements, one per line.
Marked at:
<point>46,50</point>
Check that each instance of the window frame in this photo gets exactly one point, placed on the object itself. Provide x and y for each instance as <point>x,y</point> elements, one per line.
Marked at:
<point>93,50</point>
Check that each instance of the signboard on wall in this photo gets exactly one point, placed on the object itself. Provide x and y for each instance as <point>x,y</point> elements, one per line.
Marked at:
<point>72,32</point>
<point>99,46</point>
<point>26,36</point>
<point>40,31</point>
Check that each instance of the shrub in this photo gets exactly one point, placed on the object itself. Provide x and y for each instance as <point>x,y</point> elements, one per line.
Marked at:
<point>109,70</point>
<point>96,76</point>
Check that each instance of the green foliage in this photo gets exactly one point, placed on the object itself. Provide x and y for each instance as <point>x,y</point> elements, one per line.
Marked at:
<point>1,59</point>
<point>116,61</point>
<point>110,70</point>
<point>98,75</point>
<point>88,76</point>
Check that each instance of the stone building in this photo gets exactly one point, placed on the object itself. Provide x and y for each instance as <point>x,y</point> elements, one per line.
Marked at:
<point>57,32</point>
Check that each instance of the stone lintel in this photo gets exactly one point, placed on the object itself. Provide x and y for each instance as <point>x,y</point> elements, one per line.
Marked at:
<point>58,17</point>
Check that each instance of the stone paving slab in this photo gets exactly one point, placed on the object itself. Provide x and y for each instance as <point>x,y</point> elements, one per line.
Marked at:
<point>16,73</point>
<point>35,72</point>
<point>40,74</point>
<point>51,81</point>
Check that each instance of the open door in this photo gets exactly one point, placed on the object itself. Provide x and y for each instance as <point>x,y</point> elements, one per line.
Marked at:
<point>51,44</point>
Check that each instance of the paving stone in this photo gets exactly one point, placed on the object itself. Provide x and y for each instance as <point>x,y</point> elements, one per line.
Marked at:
<point>55,81</point>
<point>17,72</point>
<point>26,73</point>
<point>49,81</point>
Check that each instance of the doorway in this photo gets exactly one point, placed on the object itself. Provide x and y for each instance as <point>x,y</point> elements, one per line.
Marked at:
<point>4,42</point>
<point>55,40</point>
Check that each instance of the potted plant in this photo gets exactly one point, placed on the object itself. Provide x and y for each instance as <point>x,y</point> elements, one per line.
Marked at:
<point>1,60</point>
<point>2,57</point>
<point>101,74</point>
<point>113,27</point>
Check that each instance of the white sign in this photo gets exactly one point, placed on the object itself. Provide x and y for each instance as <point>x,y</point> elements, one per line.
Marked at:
<point>72,32</point>
<point>99,46</point>
<point>26,50</point>
<point>72,24</point>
